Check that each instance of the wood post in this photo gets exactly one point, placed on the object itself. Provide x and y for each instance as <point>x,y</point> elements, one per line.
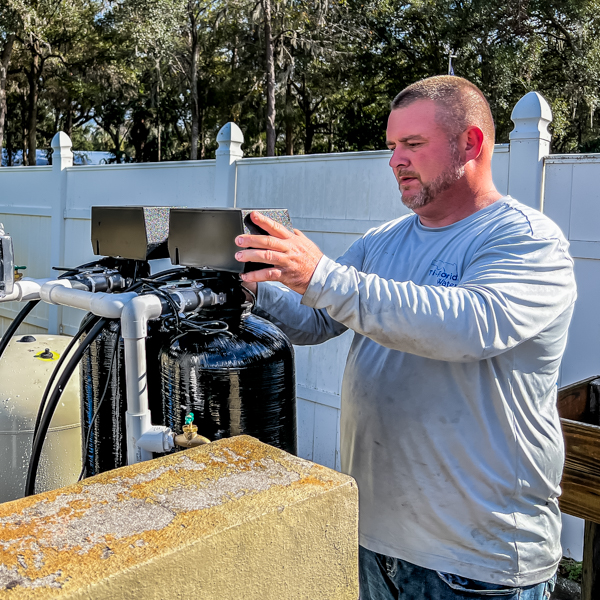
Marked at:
<point>579,408</point>
<point>590,584</point>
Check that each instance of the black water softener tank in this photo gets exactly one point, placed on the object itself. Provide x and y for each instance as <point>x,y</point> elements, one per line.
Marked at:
<point>234,371</point>
<point>103,396</point>
<point>103,402</point>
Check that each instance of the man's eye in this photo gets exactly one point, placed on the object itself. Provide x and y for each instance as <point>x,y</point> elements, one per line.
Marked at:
<point>413,144</point>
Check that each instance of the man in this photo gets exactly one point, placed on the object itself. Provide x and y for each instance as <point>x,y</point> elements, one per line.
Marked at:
<point>460,313</point>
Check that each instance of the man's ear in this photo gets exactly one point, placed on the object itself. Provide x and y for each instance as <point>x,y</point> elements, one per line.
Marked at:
<point>473,142</point>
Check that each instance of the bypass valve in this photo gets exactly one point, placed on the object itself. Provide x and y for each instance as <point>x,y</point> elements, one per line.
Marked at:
<point>18,274</point>
<point>190,437</point>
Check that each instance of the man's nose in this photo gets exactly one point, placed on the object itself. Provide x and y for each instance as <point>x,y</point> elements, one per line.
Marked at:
<point>399,159</point>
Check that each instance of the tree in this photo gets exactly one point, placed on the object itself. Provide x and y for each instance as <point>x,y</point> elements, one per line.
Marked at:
<point>46,30</point>
<point>155,79</point>
<point>11,21</point>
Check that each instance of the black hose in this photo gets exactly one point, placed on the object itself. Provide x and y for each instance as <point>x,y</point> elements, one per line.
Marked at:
<point>17,321</point>
<point>38,441</point>
<point>76,270</point>
<point>165,273</point>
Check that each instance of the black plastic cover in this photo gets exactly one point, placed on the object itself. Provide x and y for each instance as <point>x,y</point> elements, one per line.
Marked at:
<point>133,232</point>
<point>205,237</point>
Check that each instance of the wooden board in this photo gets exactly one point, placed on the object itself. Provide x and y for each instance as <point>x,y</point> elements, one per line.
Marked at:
<point>573,399</point>
<point>581,476</point>
<point>579,408</point>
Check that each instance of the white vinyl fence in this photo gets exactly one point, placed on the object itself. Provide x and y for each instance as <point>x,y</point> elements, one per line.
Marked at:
<point>572,199</point>
<point>333,198</point>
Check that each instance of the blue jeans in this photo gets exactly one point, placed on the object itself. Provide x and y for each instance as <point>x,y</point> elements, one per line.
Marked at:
<point>387,578</point>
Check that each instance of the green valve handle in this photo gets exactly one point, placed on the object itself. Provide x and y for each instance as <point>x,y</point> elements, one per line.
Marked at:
<point>189,418</point>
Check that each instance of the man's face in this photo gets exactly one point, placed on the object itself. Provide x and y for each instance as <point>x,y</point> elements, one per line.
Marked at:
<point>424,161</point>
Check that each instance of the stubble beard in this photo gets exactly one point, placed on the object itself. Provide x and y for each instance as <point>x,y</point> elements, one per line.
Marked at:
<point>430,191</point>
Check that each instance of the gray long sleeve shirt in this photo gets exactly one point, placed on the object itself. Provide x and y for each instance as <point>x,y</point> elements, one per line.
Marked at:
<point>449,420</point>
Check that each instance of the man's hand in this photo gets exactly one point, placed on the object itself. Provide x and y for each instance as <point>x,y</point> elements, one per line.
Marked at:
<point>293,256</point>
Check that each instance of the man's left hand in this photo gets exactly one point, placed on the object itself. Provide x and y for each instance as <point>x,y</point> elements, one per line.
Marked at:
<point>293,256</point>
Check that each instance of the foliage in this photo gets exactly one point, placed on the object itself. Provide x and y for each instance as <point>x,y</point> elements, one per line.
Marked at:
<point>156,79</point>
<point>571,569</point>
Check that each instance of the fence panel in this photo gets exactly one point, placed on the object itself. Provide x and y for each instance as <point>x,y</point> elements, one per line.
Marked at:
<point>572,200</point>
<point>501,166</point>
<point>25,204</point>
<point>333,198</point>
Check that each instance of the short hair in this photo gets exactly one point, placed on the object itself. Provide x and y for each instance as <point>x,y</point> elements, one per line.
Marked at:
<point>460,104</point>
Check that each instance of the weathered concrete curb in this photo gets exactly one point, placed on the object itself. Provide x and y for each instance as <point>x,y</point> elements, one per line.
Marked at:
<point>233,519</point>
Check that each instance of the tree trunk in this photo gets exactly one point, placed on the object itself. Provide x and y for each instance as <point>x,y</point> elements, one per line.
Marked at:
<point>159,127</point>
<point>24,133</point>
<point>270,66</point>
<point>202,137</point>
<point>194,88</point>
<point>234,54</point>
<point>69,119</point>
<point>289,121</point>
<point>310,135</point>
<point>4,62</point>
<point>308,126</point>
<point>118,153</point>
<point>9,148</point>
<point>33,77</point>
<point>116,140</point>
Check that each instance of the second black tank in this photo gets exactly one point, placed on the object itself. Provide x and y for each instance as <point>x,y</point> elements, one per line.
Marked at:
<point>235,372</point>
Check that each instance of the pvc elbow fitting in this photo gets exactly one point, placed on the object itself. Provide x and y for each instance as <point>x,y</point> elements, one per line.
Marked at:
<point>157,439</point>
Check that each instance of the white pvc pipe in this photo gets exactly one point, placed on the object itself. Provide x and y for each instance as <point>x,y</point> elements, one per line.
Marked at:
<point>134,312</point>
<point>26,289</point>
<point>134,329</point>
<point>101,304</point>
<point>137,417</point>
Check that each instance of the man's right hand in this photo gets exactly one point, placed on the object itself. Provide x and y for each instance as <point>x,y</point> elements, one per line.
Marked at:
<point>292,257</point>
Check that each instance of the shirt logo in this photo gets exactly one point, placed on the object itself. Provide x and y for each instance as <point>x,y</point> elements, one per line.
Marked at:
<point>444,273</point>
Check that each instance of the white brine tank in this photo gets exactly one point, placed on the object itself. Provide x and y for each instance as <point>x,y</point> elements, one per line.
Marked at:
<point>25,369</point>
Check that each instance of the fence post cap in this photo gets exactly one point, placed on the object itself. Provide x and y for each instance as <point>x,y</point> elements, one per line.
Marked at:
<point>230,139</point>
<point>230,132</point>
<point>531,115</point>
<point>62,157</point>
<point>61,140</point>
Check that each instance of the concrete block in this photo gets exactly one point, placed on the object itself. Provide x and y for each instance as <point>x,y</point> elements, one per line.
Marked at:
<point>232,519</point>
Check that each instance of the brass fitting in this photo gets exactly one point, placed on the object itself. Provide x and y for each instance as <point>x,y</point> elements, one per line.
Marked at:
<point>190,437</point>
<point>18,274</point>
